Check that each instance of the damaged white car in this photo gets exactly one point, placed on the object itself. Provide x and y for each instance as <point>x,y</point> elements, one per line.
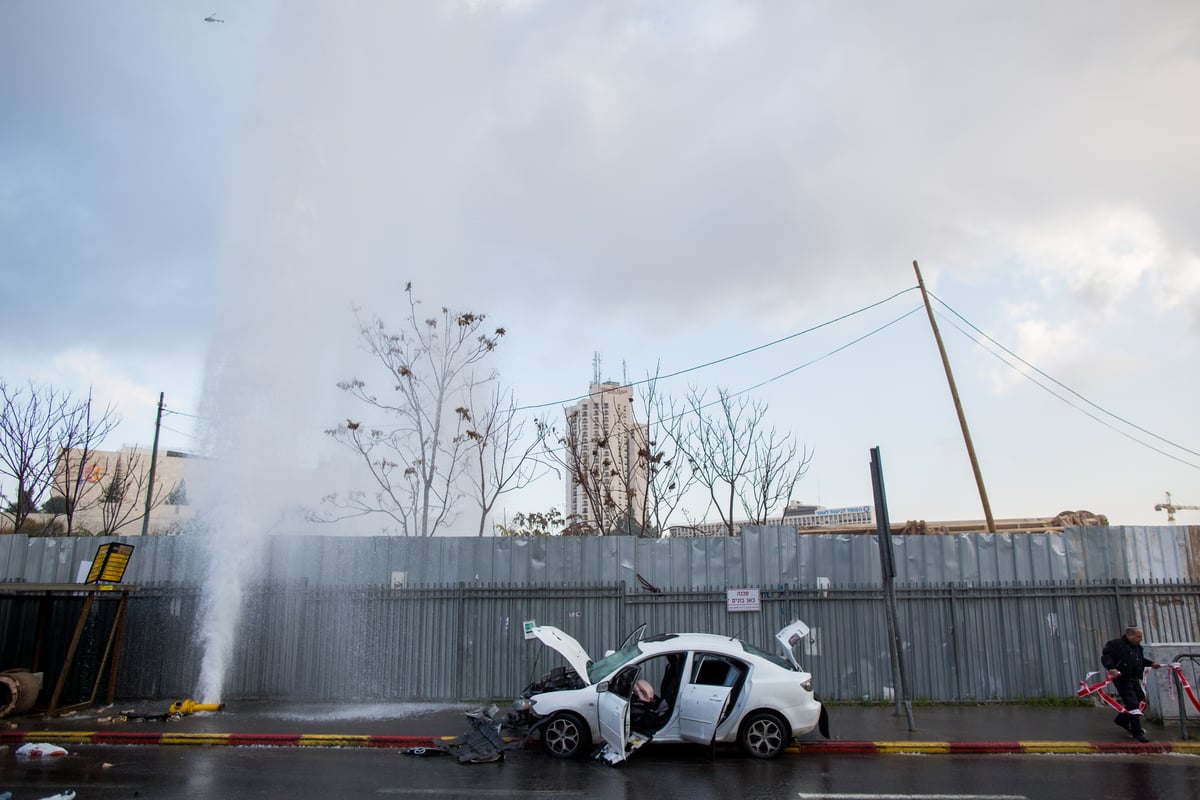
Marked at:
<point>674,687</point>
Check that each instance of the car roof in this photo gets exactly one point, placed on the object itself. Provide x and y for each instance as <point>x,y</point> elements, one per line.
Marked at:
<point>711,642</point>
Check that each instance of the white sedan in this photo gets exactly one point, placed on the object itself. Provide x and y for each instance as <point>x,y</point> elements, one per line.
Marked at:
<point>674,687</point>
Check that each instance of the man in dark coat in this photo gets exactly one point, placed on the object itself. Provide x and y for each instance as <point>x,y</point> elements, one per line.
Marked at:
<point>1125,662</point>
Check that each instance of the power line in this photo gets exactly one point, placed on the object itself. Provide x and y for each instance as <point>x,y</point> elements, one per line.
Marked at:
<point>793,370</point>
<point>1063,385</point>
<point>723,359</point>
<point>182,414</point>
<point>181,433</point>
<point>1056,395</point>
<point>832,352</point>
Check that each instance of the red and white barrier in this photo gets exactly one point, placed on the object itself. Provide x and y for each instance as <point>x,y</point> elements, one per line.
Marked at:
<point>1086,689</point>
<point>1177,668</point>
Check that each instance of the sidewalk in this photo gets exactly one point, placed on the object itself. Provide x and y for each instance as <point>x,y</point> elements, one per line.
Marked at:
<point>991,728</point>
<point>994,728</point>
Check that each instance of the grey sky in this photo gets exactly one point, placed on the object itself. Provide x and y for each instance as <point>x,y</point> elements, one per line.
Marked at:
<point>669,181</point>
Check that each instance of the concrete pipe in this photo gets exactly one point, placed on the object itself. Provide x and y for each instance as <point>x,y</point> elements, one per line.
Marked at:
<point>19,690</point>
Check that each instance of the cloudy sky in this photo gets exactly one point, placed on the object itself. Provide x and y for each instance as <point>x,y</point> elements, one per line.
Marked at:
<point>194,208</point>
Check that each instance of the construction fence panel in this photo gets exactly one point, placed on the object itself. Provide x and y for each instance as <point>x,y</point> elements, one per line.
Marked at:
<point>762,556</point>
<point>960,643</point>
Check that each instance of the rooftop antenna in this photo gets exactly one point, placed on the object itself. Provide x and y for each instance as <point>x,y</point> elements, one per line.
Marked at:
<point>596,366</point>
<point>624,373</point>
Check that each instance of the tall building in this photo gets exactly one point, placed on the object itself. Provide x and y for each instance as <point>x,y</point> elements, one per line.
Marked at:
<point>606,478</point>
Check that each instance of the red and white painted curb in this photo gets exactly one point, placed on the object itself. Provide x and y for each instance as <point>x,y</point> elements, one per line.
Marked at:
<point>833,747</point>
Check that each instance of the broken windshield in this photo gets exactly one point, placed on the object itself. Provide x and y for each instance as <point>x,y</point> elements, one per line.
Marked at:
<point>598,670</point>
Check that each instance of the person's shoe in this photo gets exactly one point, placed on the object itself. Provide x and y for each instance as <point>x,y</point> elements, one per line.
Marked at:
<point>1140,736</point>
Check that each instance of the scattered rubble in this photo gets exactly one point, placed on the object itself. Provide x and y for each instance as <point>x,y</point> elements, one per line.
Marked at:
<point>483,744</point>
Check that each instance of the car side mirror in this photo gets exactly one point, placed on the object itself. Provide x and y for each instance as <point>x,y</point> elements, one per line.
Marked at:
<point>602,687</point>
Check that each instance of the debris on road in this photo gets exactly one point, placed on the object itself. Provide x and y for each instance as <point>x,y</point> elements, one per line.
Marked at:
<point>483,744</point>
<point>39,750</point>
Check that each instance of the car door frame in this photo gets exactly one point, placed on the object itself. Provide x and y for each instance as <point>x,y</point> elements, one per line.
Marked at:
<point>703,707</point>
<point>612,713</point>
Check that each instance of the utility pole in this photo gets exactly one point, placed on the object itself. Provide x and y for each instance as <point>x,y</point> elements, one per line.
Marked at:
<point>962,418</point>
<point>153,462</point>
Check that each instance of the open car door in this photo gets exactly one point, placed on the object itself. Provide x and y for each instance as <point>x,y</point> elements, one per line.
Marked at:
<point>613,700</point>
<point>614,722</point>
<point>789,637</point>
<point>634,637</point>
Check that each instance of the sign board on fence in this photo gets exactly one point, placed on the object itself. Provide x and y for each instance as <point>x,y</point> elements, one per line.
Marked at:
<point>742,600</point>
<point>529,626</point>
<point>110,562</point>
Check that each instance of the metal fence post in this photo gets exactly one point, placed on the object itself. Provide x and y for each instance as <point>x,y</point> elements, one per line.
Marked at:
<point>460,613</point>
<point>1177,677</point>
<point>954,644</point>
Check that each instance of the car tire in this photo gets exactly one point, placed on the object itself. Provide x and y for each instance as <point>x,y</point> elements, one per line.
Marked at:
<point>764,735</point>
<point>566,735</point>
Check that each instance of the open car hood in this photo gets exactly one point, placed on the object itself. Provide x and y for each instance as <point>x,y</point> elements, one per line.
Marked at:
<point>567,647</point>
<point>790,636</point>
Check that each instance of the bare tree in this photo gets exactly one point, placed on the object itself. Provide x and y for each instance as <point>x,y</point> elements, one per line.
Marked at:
<point>734,456</point>
<point>779,464</point>
<point>30,433</point>
<point>631,474</point>
<point>416,462</point>
<point>502,459</point>
<point>660,459</point>
<point>122,498</point>
<point>76,475</point>
<point>590,463</point>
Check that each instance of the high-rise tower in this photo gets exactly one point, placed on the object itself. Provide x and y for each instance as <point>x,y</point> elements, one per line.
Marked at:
<point>606,477</point>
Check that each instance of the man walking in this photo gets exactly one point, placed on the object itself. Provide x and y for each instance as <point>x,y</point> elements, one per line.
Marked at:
<point>1125,662</point>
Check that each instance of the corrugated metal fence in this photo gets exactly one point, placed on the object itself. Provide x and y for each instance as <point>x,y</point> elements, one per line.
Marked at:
<point>1005,616</point>
<point>762,556</point>
<point>963,643</point>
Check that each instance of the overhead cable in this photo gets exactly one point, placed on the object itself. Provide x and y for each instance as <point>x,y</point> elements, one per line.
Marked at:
<point>1055,394</point>
<point>723,359</point>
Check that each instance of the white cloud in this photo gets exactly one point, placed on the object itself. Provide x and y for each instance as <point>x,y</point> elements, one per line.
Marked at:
<point>1101,259</point>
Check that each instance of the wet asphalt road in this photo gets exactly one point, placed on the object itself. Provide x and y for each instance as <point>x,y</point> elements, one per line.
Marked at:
<point>105,772</point>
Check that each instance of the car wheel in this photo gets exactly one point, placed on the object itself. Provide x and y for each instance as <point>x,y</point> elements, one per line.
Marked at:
<point>764,735</point>
<point>566,735</point>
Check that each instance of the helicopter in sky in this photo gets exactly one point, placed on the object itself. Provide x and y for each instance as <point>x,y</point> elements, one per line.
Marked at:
<point>213,18</point>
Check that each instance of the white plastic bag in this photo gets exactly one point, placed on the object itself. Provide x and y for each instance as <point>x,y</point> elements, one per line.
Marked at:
<point>39,750</point>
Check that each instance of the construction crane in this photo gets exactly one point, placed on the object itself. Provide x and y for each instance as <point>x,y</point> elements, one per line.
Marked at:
<point>1171,508</point>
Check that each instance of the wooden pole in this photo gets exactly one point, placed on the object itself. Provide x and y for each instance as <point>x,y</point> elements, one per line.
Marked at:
<point>153,460</point>
<point>115,663</point>
<point>70,659</point>
<point>962,419</point>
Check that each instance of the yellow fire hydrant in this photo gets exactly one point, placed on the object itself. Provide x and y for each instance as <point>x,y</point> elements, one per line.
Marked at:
<point>191,707</point>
